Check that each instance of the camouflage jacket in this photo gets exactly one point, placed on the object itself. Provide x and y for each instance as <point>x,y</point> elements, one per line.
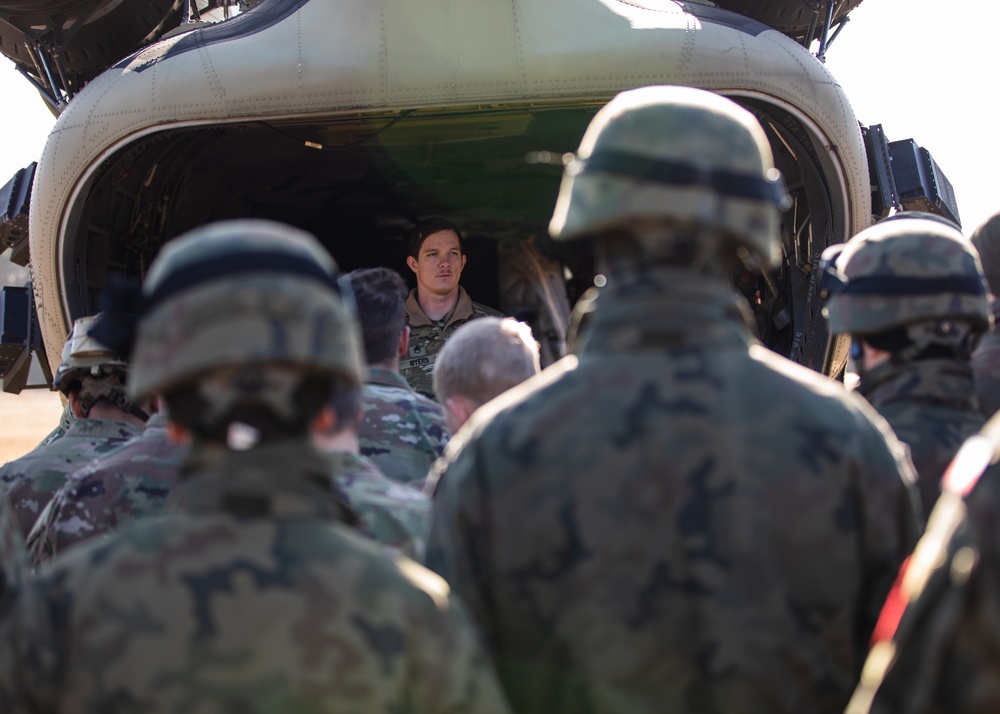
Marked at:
<point>14,566</point>
<point>931,406</point>
<point>31,481</point>
<point>402,432</point>
<point>66,420</point>
<point>129,483</point>
<point>428,337</point>
<point>986,365</point>
<point>937,645</point>
<point>251,597</point>
<point>674,520</point>
<point>395,515</point>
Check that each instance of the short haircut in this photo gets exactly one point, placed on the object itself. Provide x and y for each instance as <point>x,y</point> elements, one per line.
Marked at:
<point>345,400</point>
<point>380,295</point>
<point>484,358</point>
<point>429,227</point>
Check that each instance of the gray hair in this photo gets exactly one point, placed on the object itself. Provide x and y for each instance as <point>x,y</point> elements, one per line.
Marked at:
<point>484,358</point>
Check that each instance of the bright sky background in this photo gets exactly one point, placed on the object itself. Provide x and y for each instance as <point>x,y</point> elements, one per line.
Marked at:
<point>924,69</point>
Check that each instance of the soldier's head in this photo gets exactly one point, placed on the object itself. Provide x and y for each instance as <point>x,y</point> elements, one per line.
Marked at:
<point>481,360</point>
<point>380,297</point>
<point>244,333</point>
<point>674,175</point>
<point>911,288</point>
<point>436,256</point>
<point>986,238</point>
<point>92,377</point>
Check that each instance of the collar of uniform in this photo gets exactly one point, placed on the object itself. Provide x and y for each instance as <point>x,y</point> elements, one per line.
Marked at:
<point>157,421</point>
<point>102,428</point>
<point>287,479</point>
<point>941,381</point>
<point>417,317</point>
<point>387,378</point>
<point>347,467</point>
<point>660,308</point>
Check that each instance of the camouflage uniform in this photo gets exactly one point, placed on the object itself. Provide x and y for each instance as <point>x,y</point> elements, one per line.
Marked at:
<point>912,287</point>
<point>986,358</point>
<point>252,598</point>
<point>427,337</point>
<point>32,480</point>
<point>394,515</point>
<point>986,366</point>
<point>13,558</point>
<point>675,519</point>
<point>402,432</point>
<point>66,420</point>
<point>931,406</point>
<point>937,645</point>
<point>129,483</point>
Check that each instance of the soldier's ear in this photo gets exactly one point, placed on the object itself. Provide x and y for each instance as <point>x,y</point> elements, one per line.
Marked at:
<point>404,342</point>
<point>412,262</point>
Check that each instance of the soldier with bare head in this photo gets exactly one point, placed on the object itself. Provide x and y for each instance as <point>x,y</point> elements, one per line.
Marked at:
<point>402,432</point>
<point>438,305</point>
<point>253,595</point>
<point>481,361</point>
<point>674,518</point>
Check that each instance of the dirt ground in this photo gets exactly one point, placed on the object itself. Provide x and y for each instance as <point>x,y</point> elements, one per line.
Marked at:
<point>25,419</point>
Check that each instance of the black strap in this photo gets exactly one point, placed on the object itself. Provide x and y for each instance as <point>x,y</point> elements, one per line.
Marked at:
<point>674,173</point>
<point>229,264</point>
<point>901,286</point>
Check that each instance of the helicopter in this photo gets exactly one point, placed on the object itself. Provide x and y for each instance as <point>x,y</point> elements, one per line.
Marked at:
<point>353,119</point>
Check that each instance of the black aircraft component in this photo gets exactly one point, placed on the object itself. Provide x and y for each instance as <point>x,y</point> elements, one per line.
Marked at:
<point>885,198</point>
<point>20,338</point>
<point>920,182</point>
<point>60,45</point>
<point>15,198</point>
<point>803,20</point>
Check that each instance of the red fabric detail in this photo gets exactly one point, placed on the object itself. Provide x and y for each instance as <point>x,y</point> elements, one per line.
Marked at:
<point>892,610</point>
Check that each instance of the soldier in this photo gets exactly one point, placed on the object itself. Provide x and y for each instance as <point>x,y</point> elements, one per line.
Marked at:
<point>986,358</point>
<point>674,518</point>
<point>438,305</point>
<point>936,649</point>
<point>252,596</point>
<point>392,514</point>
<point>402,432</point>
<point>92,377</point>
<point>114,489</point>
<point>481,361</point>
<point>913,298</point>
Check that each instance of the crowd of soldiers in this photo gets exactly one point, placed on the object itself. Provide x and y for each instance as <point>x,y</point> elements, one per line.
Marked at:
<point>670,519</point>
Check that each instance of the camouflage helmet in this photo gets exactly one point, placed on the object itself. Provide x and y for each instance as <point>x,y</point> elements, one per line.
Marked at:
<point>909,270</point>
<point>678,155</point>
<point>84,355</point>
<point>986,239</point>
<point>241,295</point>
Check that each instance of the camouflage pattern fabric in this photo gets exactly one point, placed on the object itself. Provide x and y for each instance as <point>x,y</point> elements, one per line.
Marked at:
<point>129,483</point>
<point>402,432</point>
<point>674,520</point>
<point>428,337</point>
<point>394,515</point>
<point>253,598</point>
<point>939,635</point>
<point>66,420</point>
<point>14,567</point>
<point>931,406</point>
<point>31,481</point>
<point>986,365</point>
